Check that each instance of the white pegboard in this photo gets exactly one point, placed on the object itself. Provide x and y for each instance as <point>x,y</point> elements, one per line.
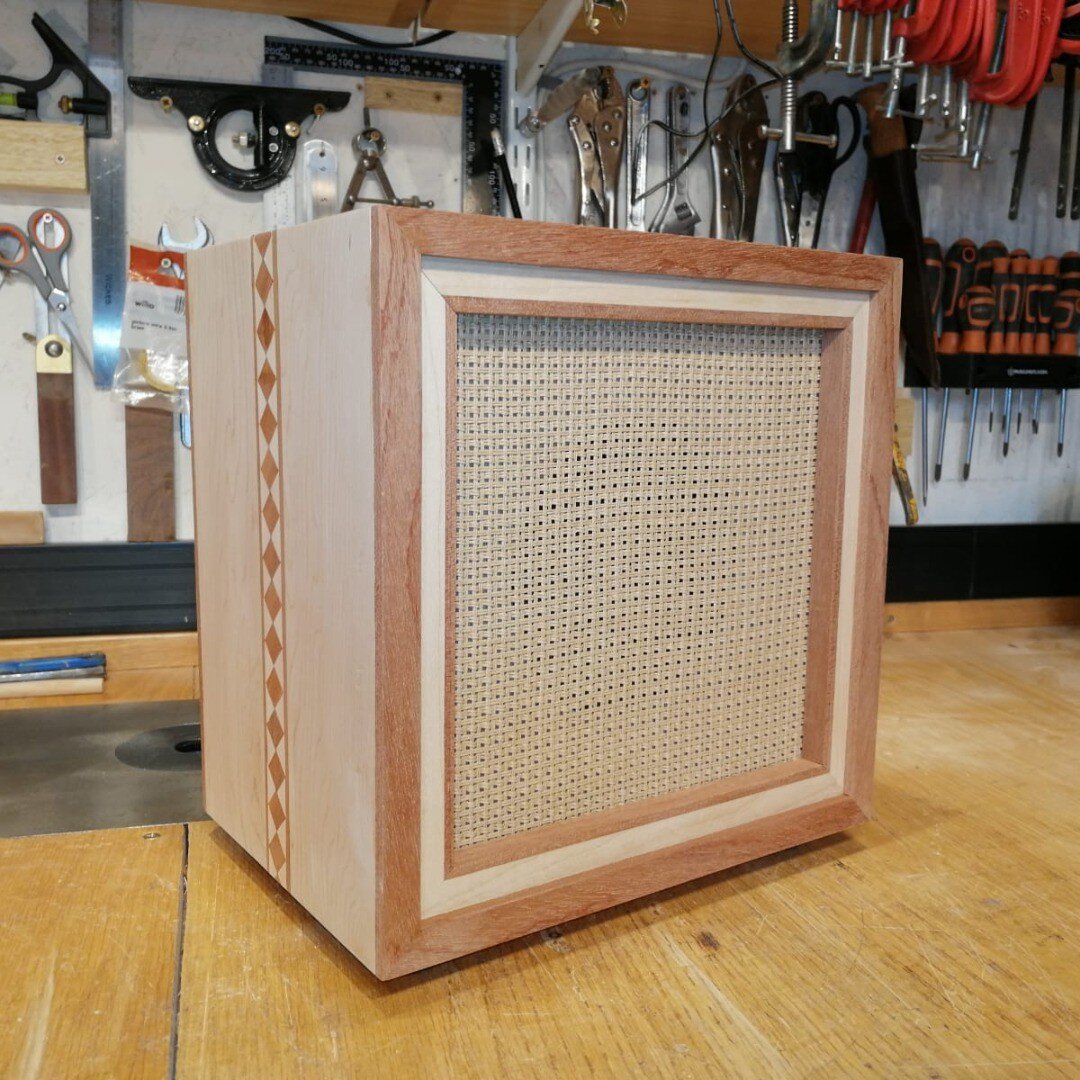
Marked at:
<point>164,182</point>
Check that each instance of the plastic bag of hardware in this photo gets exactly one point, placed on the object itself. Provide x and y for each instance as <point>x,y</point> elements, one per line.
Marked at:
<point>153,367</point>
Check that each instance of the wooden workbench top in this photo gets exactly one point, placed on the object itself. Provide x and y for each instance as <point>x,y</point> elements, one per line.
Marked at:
<point>938,940</point>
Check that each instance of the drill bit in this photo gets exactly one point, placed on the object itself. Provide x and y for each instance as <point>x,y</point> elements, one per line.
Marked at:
<point>1006,421</point>
<point>1063,404</point>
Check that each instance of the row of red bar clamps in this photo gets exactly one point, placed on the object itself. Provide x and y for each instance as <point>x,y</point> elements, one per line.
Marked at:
<point>971,56</point>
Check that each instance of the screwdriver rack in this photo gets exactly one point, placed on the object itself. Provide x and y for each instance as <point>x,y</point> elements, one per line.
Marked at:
<point>1016,371</point>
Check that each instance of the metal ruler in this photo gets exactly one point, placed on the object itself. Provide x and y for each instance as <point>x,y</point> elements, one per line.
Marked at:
<point>105,158</point>
<point>483,84</point>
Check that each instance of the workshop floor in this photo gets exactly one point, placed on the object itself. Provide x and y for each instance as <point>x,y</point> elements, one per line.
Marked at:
<point>938,940</point>
<point>63,770</point>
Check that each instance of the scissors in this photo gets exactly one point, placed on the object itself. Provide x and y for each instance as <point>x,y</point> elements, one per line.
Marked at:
<point>39,254</point>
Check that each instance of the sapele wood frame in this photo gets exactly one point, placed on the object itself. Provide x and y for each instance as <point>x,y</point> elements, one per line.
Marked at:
<point>395,279</point>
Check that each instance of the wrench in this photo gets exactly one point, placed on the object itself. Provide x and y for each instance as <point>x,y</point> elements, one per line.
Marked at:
<point>677,213</point>
<point>637,119</point>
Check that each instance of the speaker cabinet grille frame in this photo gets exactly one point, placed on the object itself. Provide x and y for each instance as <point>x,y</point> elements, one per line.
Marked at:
<point>359,744</point>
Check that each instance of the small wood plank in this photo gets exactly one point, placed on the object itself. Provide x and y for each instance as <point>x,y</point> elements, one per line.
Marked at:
<point>151,475</point>
<point>675,25</point>
<point>37,156</point>
<point>56,438</point>
<point>88,687</point>
<point>125,652</point>
<point>88,932</point>
<point>413,95</point>
<point>140,667</point>
<point>160,684</point>
<point>905,422</point>
<point>982,614</point>
<point>22,527</point>
<point>367,12</point>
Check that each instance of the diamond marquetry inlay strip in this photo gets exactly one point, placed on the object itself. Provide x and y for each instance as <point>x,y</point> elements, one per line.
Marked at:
<point>271,525</point>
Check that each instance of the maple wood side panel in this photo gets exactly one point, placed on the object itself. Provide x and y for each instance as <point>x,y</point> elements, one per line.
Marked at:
<point>328,537</point>
<point>225,478</point>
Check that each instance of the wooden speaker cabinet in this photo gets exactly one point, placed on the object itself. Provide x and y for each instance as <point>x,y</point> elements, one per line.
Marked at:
<point>539,567</point>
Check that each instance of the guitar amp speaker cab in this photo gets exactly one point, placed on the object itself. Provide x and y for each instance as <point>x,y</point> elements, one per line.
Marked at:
<point>539,567</point>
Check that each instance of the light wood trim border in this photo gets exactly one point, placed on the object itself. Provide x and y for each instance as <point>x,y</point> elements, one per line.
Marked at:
<point>982,614</point>
<point>626,816</point>
<point>139,667</point>
<point>487,305</point>
<point>400,239</point>
<point>836,348</point>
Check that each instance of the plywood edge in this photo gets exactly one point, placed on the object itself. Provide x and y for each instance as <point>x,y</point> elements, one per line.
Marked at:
<point>934,615</point>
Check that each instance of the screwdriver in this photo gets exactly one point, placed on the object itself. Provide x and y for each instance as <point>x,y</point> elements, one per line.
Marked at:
<point>984,275</point>
<point>984,271</point>
<point>976,312</point>
<point>1030,286</point>
<point>931,252</point>
<point>1066,326</point>
<point>1048,273</point>
<point>959,274</point>
<point>1009,308</point>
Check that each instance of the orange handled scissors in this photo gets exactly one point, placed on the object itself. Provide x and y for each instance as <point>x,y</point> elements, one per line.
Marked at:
<point>38,253</point>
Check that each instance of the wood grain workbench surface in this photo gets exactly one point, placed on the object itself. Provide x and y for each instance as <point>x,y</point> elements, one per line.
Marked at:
<point>939,940</point>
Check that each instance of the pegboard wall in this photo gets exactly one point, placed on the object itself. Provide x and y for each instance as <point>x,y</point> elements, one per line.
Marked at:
<point>164,183</point>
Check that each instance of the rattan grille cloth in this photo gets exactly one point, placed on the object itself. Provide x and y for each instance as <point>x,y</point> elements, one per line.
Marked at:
<point>633,505</point>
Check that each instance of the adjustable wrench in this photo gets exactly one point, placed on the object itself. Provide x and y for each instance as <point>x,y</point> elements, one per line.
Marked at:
<point>677,213</point>
<point>637,157</point>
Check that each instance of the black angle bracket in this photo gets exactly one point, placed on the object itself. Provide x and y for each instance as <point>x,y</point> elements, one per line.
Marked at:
<point>278,114</point>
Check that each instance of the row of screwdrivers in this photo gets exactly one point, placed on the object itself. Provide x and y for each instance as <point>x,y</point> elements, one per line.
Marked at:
<point>995,302</point>
<point>992,300</point>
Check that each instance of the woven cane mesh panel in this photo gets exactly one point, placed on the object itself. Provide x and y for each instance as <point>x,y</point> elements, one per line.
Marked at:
<point>633,513</point>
